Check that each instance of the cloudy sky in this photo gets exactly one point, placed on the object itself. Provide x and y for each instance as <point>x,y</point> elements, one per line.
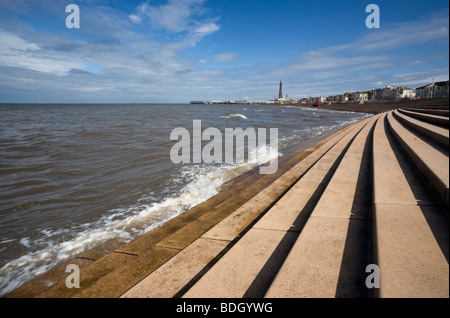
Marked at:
<point>180,50</point>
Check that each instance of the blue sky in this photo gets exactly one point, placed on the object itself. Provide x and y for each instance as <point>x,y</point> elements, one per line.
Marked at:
<point>180,50</point>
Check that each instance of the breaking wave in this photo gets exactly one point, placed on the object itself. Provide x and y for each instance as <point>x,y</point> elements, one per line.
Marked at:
<point>235,116</point>
<point>203,182</point>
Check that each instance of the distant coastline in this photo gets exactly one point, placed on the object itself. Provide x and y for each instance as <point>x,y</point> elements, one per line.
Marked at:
<point>372,107</point>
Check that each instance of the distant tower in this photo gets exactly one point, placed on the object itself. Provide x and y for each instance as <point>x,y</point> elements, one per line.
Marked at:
<point>280,93</point>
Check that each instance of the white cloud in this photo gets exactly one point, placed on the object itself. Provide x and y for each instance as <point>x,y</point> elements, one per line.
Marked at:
<point>175,16</point>
<point>406,34</point>
<point>207,28</point>
<point>135,18</point>
<point>226,57</point>
<point>10,41</point>
<point>122,53</point>
<point>415,62</point>
<point>17,52</point>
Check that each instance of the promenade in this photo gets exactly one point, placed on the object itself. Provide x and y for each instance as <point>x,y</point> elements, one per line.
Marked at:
<point>375,192</point>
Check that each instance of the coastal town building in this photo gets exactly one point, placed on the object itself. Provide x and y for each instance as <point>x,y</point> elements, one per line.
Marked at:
<point>405,92</point>
<point>433,90</point>
<point>359,96</point>
<point>391,92</point>
<point>424,91</point>
<point>387,92</point>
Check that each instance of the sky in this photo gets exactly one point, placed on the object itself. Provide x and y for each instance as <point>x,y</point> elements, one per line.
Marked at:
<point>175,51</point>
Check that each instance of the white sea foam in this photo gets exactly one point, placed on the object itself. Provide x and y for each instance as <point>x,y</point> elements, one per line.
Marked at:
<point>238,116</point>
<point>204,181</point>
<point>7,241</point>
<point>25,241</point>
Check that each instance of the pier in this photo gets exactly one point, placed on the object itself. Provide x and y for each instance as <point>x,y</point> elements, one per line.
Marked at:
<point>375,192</point>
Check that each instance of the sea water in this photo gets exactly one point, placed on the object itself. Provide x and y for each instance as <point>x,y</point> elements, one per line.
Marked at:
<point>75,176</point>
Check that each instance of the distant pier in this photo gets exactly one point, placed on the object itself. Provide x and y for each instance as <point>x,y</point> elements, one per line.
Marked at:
<point>226,102</point>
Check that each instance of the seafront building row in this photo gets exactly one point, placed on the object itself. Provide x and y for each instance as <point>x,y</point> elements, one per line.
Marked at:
<point>432,90</point>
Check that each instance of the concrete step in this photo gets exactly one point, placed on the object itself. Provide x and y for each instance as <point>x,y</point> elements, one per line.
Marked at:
<point>332,251</point>
<point>444,105</point>
<point>432,162</point>
<point>390,164</point>
<point>410,234</point>
<point>249,266</point>
<point>432,111</point>
<point>435,133</point>
<point>433,119</point>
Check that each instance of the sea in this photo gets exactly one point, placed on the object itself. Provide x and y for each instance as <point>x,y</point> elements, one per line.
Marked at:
<point>75,176</point>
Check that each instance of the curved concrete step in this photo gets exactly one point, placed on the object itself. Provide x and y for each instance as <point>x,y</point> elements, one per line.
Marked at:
<point>247,268</point>
<point>332,251</point>
<point>444,105</point>
<point>432,111</point>
<point>410,236</point>
<point>434,119</point>
<point>431,162</point>
<point>437,134</point>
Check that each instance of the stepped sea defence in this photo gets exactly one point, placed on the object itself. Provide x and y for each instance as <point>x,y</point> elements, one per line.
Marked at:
<point>342,218</point>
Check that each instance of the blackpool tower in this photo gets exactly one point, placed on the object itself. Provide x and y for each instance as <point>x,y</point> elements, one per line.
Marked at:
<point>280,93</point>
